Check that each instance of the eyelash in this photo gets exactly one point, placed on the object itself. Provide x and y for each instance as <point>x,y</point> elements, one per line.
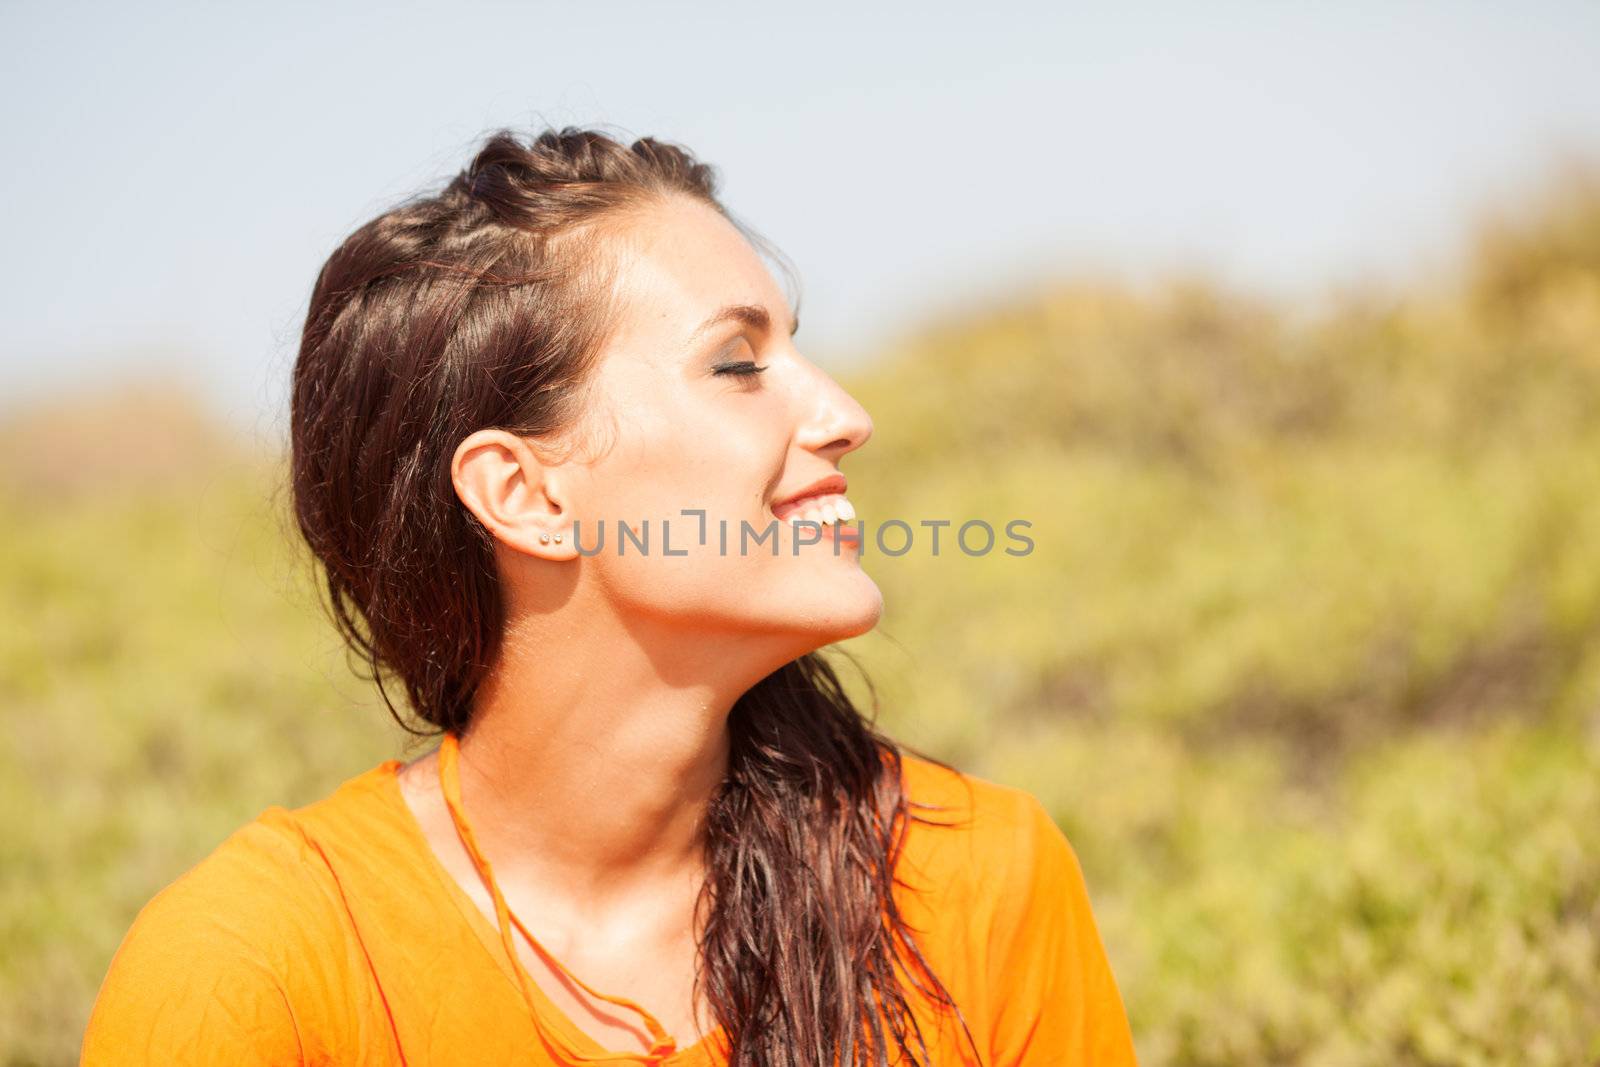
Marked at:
<point>743,369</point>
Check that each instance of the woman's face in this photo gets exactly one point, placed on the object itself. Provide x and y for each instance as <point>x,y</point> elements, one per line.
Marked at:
<point>687,423</point>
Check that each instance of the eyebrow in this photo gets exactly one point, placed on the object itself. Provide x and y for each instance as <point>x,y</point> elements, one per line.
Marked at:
<point>752,315</point>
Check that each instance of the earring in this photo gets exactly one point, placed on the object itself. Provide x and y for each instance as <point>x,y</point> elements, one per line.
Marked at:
<point>544,539</point>
<point>558,539</point>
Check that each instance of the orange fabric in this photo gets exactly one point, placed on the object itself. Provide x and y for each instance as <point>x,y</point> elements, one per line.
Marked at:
<point>333,935</point>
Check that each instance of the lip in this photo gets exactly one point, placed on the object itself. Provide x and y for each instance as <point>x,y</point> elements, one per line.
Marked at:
<point>832,484</point>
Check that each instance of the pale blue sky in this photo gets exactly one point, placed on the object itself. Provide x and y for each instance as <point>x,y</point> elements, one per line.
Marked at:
<point>175,175</point>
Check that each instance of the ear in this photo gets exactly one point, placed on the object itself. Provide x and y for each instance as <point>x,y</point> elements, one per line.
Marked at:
<point>517,496</point>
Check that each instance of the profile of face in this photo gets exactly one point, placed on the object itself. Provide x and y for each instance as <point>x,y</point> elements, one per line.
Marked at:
<point>700,402</point>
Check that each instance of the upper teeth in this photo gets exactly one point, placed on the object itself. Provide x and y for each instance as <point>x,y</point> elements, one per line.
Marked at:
<point>823,509</point>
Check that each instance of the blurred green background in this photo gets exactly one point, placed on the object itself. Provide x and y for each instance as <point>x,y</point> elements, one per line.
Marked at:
<point>1306,660</point>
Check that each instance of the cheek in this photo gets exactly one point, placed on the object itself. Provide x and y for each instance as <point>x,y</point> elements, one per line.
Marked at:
<point>662,567</point>
<point>661,488</point>
<point>725,465</point>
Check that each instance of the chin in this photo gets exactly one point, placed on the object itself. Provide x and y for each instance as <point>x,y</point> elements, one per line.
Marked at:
<point>861,626</point>
<point>850,612</point>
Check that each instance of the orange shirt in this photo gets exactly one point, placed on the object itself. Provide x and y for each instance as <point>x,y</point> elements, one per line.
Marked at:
<point>333,935</point>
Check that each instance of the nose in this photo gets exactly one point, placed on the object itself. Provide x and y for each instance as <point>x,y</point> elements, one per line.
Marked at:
<point>835,424</point>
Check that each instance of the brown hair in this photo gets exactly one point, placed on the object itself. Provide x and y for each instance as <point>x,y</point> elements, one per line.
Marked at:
<point>481,305</point>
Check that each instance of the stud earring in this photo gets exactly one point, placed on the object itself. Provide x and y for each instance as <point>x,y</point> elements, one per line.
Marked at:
<point>558,539</point>
<point>544,539</point>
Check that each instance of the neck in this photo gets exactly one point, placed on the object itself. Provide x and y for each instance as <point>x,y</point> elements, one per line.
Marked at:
<point>592,756</point>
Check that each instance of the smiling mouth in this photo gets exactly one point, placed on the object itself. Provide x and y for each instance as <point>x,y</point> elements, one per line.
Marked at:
<point>826,510</point>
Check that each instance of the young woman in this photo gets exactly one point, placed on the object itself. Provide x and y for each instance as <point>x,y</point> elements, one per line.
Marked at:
<point>564,470</point>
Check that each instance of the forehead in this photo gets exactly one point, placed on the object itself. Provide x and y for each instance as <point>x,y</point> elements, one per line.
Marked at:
<point>679,262</point>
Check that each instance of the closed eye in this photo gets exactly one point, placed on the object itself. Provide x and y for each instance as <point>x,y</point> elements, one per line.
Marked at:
<point>742,368</point>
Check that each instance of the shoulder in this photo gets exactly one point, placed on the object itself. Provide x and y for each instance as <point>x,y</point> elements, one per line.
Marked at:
<point>267,886</point>
<point>203,967</point>
<point>259,870</point>
<point>239,952</point>
<point>240,899</point>
<point>1004,897</point>
<point>982,859</point>
<point>998,830</point>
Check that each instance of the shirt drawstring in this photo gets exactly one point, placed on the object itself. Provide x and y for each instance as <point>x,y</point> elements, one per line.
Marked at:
<point>663,1045</point>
